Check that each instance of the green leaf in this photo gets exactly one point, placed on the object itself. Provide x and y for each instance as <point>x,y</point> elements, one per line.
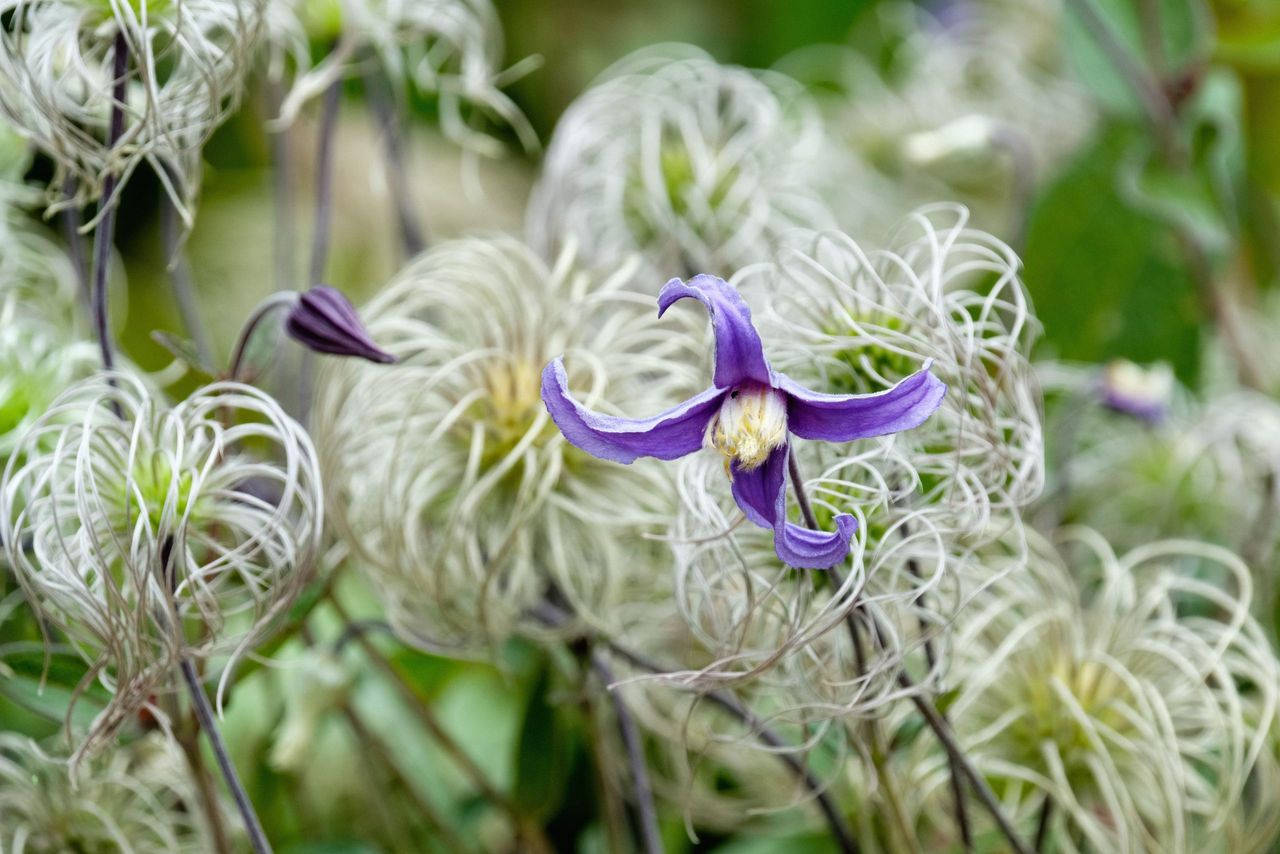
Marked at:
<point>1107,280</point>
<point>544,751</point>
<point>182,349</point>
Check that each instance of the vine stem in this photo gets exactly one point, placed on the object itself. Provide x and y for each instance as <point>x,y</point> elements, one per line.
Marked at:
<point>532,834</point>
<point>208,723</point>
<point>107,223</point>
<point>553,616</point>
<point>388,118</point>
<point>180,280</point>
<point>273,303</point>
<point>647,814</point>
<point>932,717</point>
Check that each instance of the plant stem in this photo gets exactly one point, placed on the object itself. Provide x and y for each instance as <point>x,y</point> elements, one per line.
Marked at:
<point>204,714</point>
<point>388,117</point>
<point>70,218</point>
<point>533,835</point>
<point>187,740</point>
<point>1042,825</point>
<point>107,223</point>
<point>554,616</point>
<point>282,192</point>
<point>324,184</point>
<point>180,280</point>
<point>647,815</point>
<point>275,302</point>
<point>939,725</point>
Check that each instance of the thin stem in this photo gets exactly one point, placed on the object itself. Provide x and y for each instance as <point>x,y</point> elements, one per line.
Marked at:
<point>1042,825</point>
<point>373,747</point>
<point>107,223</point>
<point>324,184</point>
<point>180,281</point>
<point>70,219</point>
<point>204,714</point>
<point>388,117</point>
<point>1159,111</point>
<point>437,731</point>
<point>273,303</point>
<point>937,723</point>
<point>282,191</point>
<point>554,616</point>
<point>187,740</point>
<point>946,736</point>
<point>647,815</point>
<point>931,659</point>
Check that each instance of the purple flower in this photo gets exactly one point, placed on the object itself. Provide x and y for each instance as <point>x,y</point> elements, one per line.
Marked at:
<point>748,415</point>
<point>325,321</point>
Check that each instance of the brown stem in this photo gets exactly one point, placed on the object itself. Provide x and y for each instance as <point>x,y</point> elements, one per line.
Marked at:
<point>427,717</point>
<point>934,719</point>
<point>647,815</point>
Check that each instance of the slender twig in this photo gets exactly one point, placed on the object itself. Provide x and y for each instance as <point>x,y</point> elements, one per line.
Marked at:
<point>107,221</point>
<point>70,219</point>
<point>180,281</point>
<point>321,227</point>
<point>389,120</point>
<point>427,718</point>
<point>374,747</point>
<point>939,725</point>
<point>642,791</point>
<point>931,659</point>
<point>324,184</point>
<point>187,740</point>
<point>204,714</point>
<point>552,615</point>
<point>273,303</point>
<point>1157,107</point>
<point>1042,825</point>
<point>282,190</point>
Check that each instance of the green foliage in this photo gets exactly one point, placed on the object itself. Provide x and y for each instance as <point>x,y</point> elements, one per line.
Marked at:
<point>1108,280</point>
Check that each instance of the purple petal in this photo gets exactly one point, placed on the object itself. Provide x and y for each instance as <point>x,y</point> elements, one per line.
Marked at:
<point>845,417</point>
<point>762,495</point>
<point>671,434</point>
<point>325,321</point>
<point>739,353</point>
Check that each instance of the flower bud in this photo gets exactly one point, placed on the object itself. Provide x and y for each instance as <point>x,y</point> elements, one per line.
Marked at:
<point>325,321</point>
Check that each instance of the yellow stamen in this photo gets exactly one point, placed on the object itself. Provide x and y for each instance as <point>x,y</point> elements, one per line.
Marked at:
<point>751,424</point>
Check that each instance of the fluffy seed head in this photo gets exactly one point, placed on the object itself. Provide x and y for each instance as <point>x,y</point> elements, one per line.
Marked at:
<point>188,62</point>
<point>137,799</point>
<point>444,471</point>
<point>1136,692</point>
<point>695,165</point>
<point>147,533</point>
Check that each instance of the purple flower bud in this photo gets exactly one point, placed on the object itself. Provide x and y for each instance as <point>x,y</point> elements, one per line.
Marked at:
<point>325,321</point>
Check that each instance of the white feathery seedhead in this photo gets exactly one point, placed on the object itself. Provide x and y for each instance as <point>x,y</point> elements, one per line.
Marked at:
<point>36,365</point>
<point>447,477</point>
<point>1135,691</point>
<point>452,49</point>
<point>135,800</point>
<point>697,166</point>
<point>972,104</point>
<point>148,534</point>
<point>842,320</point>
<point>188,60</point>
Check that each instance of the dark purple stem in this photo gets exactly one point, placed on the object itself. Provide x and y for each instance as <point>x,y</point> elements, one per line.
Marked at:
<point>107,223</point>
<point>384,109</point>
<point>936,722</point>
<point>650,836</point>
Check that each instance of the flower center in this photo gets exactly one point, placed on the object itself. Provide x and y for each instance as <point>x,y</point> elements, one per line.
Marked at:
<point>751,424</point>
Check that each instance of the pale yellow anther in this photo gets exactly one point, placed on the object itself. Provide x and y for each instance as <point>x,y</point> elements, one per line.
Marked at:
<point>751,424</point>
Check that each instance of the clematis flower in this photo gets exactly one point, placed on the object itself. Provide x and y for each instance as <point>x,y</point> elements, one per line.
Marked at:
<point>747,415</point>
